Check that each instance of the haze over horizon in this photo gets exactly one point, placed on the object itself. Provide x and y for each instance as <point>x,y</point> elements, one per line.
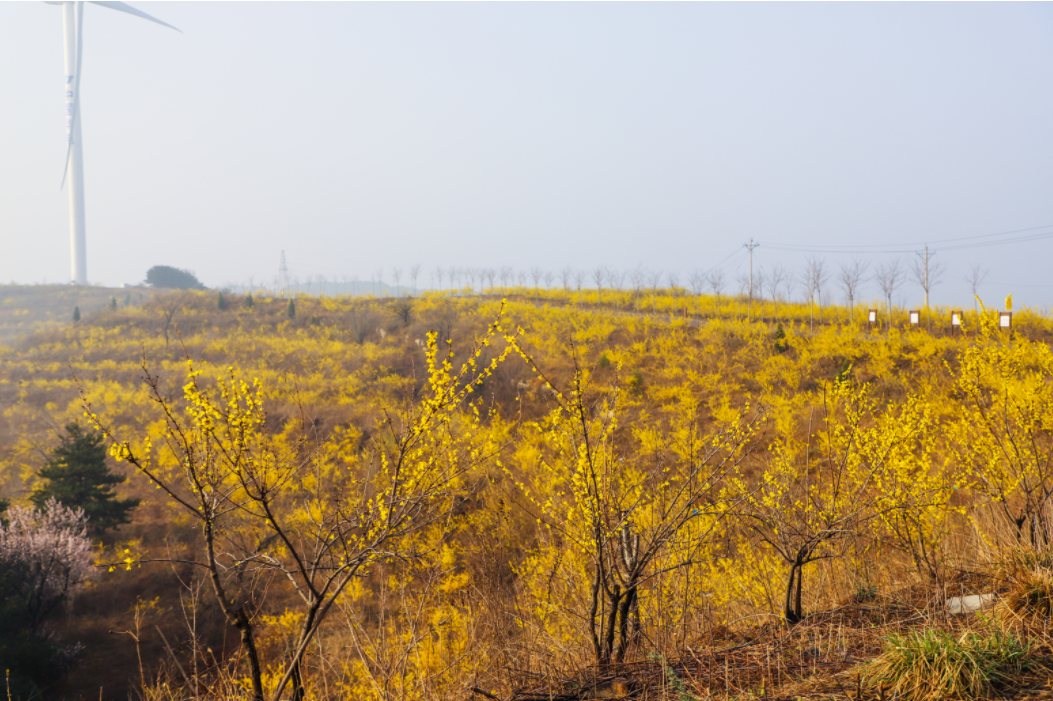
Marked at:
<point>360,136</point>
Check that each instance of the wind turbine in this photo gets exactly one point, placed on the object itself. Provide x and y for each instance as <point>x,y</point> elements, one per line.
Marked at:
<point>72,33</point>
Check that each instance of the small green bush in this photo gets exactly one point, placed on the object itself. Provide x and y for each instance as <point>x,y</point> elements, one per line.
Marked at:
<point>781,344</point>
<point>636,382</point>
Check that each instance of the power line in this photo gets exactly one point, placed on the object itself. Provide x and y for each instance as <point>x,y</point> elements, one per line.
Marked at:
<point>963,242</point>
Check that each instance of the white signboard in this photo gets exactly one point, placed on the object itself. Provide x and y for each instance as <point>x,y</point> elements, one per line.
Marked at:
<point>1005,319</point>
<point>956,319</point>
<point>873,316</point>
<point>915,318</point>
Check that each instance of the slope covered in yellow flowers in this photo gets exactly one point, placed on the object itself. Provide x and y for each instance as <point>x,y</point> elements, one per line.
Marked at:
<point>640,470</point>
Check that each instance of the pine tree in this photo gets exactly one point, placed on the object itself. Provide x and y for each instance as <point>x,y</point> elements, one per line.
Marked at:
<point>291,311</point>
<point>77,476</point>
<point>248,301</point>
<point>76,314</point>
<point>221,303</point>
<point>113,303</point>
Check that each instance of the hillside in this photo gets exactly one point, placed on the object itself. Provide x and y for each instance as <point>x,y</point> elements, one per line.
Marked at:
<point>649,480</point>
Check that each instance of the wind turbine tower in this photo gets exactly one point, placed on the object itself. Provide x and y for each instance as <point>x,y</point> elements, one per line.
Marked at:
<point>72,33</point>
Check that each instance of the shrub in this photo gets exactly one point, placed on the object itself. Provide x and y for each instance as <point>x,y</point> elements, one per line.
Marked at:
<point>76,314</point>
<point>291,310</point>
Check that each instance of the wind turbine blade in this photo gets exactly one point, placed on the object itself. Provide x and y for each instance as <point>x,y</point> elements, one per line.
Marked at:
<point>125,7</point>
<point>76,91</point>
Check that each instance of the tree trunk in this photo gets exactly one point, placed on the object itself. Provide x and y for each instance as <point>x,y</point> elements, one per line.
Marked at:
<point>624,641</point>
<point>248,642</point>
<point>297,675</point>
<point>792,607</point>
<point>614,597</point>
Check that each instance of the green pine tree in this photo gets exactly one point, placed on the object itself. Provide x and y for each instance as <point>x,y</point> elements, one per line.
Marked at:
<point>76,314</point>
<point>248,301</point>
<point>77,476</point>
<point>221,303</point>
<point>291,311</point>
<point>113,303</point>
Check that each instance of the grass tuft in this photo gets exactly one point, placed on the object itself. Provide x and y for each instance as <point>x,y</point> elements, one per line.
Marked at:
<point>934,664</point>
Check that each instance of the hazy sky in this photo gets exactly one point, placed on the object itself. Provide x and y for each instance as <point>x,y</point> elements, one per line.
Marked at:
<point>362,136</point>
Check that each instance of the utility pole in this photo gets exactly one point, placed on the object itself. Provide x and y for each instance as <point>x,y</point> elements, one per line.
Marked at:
<point>926,278</point>
<point>749,247</point>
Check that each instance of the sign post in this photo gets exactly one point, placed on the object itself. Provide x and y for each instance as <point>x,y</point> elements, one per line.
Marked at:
<point>872,318</point>
<point>915,318</point>
<point>956,321</point>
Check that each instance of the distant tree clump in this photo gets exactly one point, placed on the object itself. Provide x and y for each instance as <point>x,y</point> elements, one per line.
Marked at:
<point>78,477</point>
<point>248,301</point>
<point>172,278</point>
<point>221,304</point>
<point>76,314</point>
<point>291,311</point>
<point>113,303</point>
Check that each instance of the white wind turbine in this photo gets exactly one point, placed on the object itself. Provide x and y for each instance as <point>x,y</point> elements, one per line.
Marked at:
<point>72,24</point>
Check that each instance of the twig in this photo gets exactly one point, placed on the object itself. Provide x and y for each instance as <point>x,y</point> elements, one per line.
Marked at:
<point>170,652</point>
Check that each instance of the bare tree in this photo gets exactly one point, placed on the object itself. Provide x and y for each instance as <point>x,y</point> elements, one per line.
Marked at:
<point>565,276</point>
<point>760,278</point>
<point>470,274</point>
<point>716,281</point>
<point>638,276</point>
<point>548,277</point>
<point>654,280</point>
<point>489,273</point>
<point>889,276</point>
<point>851,276</point>
<point>673,278</point>
<point>414,273</point>
<point>536,274</point>
<point>743,282</point>
<point>599,274</point>
<point>813,279</point>
<point>506,276</point>
<point>436,277</point>
<point>616,278</point>
<point>696,280</point>
<point>927,273</point>
<point>522,277</point>
<point>975,278</point>
<point>397,274</point>
<point>780,276</point>
<point>170,304</point>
